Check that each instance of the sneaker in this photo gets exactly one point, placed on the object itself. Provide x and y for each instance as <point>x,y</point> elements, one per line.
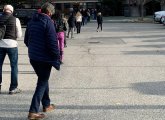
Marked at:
<point>15,91</point>
<point>35,116</point>
<point>61,62</point>
<point>49,108</point>
<point>65,46</point>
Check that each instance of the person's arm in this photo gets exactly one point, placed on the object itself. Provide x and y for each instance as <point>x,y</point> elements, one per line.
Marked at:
<point>18,28</point>
<point>26,37</point>
<point>52,42</point>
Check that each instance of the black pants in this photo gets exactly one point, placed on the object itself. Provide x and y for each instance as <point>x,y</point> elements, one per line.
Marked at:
<point>78,27</point>
<point>99,26</point>
<point>41,94</point>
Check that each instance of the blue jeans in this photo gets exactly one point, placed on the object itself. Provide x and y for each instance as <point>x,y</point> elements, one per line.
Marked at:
<point>70,30</point>
<point>13,57</point>
<point>41,93</point>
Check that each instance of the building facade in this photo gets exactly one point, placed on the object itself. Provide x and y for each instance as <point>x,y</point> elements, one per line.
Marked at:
<point>66,5</point>
<point>63,5</point>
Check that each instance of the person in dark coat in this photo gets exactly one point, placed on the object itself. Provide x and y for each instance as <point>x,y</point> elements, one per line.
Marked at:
<point>43,51</point>
<point>71,23</point>
<point>99,21</point>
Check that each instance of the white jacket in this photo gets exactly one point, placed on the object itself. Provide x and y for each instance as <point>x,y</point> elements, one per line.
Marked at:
<point>79,18</point>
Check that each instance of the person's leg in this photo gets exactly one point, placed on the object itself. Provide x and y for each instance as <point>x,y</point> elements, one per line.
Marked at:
<point>61,44</point>
<point>83,19</point>
<point>65,43</point>
<point>97,27</point>
<point>101,25</point>
<point>13,57</point>
<point>69,32</point>
<point>72,32</point>
<point>46,99</point>
<point>42,70</point>
<point>2,57</point>
<point>78,27</point>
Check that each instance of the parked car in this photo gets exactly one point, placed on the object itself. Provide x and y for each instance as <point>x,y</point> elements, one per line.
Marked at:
<point>158,16</point>
<point>163,20</point>
<point>24,15</point>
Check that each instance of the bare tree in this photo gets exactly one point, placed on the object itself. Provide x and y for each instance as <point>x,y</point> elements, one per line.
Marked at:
<point>141,4</point>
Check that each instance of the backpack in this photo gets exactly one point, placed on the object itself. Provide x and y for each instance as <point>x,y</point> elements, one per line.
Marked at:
<point>59,25</point>
<point>2,31</point>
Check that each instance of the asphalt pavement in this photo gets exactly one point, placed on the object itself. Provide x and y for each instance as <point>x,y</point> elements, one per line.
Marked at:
<point>116,74</point>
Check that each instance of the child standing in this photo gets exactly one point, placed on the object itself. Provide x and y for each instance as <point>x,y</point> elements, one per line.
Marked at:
<point>99,21</point>
<point>59,25</point>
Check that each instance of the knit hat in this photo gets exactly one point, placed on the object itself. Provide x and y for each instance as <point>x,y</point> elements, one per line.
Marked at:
<point>8,8</point>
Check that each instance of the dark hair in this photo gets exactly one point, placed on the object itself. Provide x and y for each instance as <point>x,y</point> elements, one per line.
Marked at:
<point>48,7</point>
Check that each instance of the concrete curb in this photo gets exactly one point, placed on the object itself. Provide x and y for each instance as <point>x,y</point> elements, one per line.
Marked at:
<point>126,20</point>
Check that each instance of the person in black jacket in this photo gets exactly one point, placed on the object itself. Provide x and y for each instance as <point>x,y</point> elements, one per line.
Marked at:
<point>99,21</point>
<point>71,23</point>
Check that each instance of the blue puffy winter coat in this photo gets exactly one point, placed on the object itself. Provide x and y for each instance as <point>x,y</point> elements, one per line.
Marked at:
<point>40,38</point>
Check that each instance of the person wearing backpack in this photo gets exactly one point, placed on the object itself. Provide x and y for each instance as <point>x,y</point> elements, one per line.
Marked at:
<point>71,23</point>
<point>9,46</point>
<point>59,25</point>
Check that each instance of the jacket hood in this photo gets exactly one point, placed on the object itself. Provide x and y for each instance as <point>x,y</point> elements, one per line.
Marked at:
<point>40,16</point>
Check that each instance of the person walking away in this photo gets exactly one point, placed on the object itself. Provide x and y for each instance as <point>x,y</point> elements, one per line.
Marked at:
<point>95,14</point>
<point>99,21</point>
<point>83,17</point>
<point>59,25</point>
<point>71,23</point>
<point>43,52</point>
<point>78,21</point>
<point>88,15</point>
<point>65,30</point>
<point>9,46</point>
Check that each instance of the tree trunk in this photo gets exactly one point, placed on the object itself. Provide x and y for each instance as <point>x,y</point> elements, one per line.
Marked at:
<point>142,9</point>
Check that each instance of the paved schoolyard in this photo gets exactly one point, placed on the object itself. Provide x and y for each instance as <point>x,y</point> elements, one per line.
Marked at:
<point>117,74</point>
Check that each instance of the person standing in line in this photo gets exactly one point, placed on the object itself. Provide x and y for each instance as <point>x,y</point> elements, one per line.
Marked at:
<point>65,30</point>
<point>78,21</point>
<point>82,11</point>
<point>9,46</point>
<point>99,21</point>
<point>59,25</point>
<point>43,51</point>
<point>95,14</point>
<point>71,23</point>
